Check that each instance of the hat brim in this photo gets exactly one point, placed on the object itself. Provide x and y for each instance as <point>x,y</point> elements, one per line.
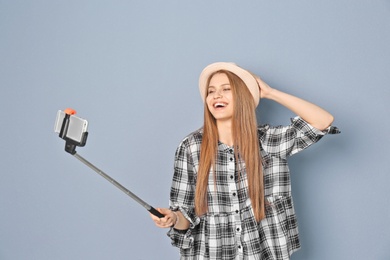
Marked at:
<point>249,80</point>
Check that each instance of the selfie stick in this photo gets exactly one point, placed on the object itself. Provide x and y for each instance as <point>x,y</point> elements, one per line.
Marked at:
<point>70,147</point>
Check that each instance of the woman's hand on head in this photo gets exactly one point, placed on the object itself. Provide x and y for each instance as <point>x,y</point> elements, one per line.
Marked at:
<point>264,88</point>
<point>167,221</point>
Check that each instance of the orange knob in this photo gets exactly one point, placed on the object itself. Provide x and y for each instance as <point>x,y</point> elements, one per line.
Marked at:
<point>70,111</point>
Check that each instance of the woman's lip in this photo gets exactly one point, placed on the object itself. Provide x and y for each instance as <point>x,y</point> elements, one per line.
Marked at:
<point>220,105</point>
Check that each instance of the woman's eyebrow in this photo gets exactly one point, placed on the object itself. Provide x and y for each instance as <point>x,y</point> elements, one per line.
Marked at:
<point>225,84</point>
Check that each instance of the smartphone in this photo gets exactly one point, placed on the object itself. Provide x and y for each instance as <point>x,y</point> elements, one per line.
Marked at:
<point>77,126</point>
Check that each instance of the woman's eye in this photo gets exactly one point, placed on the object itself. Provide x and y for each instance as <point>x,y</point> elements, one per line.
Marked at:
<point>226,89</point>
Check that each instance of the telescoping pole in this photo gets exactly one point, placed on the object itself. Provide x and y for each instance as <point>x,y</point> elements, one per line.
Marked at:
<point>118,185</point>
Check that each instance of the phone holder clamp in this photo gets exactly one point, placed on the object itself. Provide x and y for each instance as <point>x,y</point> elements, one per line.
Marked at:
<point>70,144</point>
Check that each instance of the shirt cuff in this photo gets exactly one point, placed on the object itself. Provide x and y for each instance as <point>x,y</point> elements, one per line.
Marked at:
<point>305,127</point>
<point>183,238</point>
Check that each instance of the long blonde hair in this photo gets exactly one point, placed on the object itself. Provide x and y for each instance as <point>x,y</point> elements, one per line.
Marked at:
<point>246,143</point>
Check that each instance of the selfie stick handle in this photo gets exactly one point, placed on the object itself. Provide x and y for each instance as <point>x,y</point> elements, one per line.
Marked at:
<point>118,185</point>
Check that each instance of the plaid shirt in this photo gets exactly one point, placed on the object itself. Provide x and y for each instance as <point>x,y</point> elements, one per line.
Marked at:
<point>229,230</point>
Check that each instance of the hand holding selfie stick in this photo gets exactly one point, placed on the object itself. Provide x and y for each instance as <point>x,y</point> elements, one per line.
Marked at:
<point>70,147</point>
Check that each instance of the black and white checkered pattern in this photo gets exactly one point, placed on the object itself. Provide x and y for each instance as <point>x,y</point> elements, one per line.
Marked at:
<point>229,230</point>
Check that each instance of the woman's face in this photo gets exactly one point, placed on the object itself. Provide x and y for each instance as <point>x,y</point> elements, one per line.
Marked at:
<point>220,98</point>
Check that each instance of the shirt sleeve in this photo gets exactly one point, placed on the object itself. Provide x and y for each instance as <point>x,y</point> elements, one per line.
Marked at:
<point>182,196</point>
<point>284,141</point>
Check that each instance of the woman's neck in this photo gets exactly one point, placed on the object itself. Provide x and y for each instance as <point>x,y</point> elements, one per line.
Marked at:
<point>225,134</point>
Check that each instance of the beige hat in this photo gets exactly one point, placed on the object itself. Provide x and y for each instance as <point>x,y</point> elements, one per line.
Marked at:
<point>249,80</point>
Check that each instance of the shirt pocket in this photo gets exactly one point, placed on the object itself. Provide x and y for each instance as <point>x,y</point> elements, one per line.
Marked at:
<point>276,215</point>
<point>278,225</point>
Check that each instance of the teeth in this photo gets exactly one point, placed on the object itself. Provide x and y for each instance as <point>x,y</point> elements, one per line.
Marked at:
<point>219,105</point>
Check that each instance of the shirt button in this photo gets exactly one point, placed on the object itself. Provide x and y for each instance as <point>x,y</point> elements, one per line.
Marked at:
<point>238,229</point>
<point>231,177</point>
<point>239,247</point>
<point>234,194</point>
<point>231,151</point>
<point>236,210</point>
<point>231,159</point>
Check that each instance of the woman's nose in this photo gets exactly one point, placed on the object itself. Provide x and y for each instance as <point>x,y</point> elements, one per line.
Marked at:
<point>217,94</point>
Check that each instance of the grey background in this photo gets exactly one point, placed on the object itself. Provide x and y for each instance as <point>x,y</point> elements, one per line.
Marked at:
<point>131,68</point>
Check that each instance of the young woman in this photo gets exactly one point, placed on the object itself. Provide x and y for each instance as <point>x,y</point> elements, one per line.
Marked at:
<point>231,194</point>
